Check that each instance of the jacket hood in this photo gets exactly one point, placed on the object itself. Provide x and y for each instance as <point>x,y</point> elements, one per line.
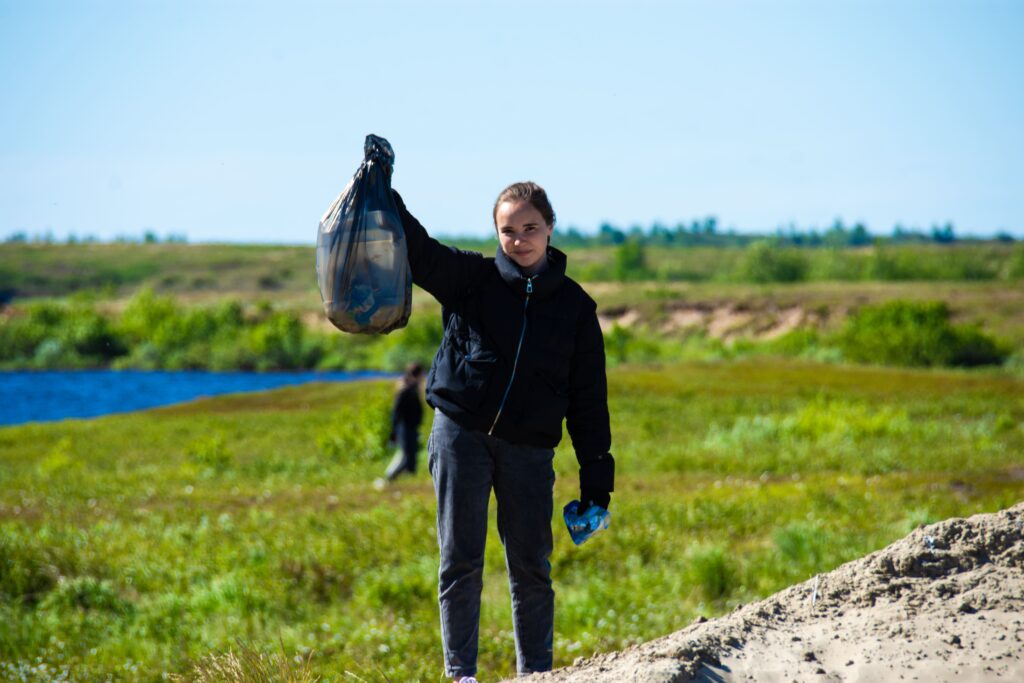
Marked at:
<point>544,282</point>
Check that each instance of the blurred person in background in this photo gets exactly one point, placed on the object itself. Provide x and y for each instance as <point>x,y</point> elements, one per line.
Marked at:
<point>406,416</point>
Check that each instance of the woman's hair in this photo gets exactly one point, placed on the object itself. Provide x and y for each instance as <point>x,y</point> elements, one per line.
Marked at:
<point>530,192</point>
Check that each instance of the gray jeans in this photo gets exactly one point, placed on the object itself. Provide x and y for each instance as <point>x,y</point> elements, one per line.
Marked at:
<point>465,466</point>
<point>408,439</point>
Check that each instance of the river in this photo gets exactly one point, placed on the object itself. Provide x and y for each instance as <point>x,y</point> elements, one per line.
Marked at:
<point>46,395</point>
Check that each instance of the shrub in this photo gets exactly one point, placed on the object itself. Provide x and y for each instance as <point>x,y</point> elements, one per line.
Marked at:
<point>795,342</point>
<point>417,341</point>
<point>1015,267</point>
<point>21,335</point>
<point>86,593</point>
<point>211,452</point>
<point>915,263</point>
<point>915,334</point>
<point>278,343</point>
<point>710,569</point>
<point>144,313</point>
<point>765,261</point>
<point>27,572</point>
<point>624,345</point>
<point>88,334</point>
<point>630,262</point>
<point>60,335</point>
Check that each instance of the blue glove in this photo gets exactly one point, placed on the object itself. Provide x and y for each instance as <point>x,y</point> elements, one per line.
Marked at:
<point>582,526</point>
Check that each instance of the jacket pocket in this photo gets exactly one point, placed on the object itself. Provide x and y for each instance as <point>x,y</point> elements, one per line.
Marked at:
<point>463,370</point>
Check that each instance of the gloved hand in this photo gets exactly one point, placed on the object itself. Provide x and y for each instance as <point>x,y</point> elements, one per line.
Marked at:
<point>590,497</point>
<point>582,523</point>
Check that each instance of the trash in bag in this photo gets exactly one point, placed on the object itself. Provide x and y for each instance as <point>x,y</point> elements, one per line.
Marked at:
<point>581,527</point>
<point>361,261</point>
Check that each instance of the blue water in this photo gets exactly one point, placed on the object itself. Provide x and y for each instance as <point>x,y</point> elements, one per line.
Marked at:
<point>29,396</point>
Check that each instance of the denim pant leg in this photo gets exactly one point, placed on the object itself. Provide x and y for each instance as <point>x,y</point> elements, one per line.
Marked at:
<point>461,467</point>
<point>524,480</point>
<point>411,447</point>
<point>405,458</point>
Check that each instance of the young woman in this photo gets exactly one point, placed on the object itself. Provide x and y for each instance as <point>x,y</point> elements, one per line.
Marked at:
<point>522,350</point>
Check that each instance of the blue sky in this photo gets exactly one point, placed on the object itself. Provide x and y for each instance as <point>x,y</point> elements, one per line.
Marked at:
<point>241,121</point>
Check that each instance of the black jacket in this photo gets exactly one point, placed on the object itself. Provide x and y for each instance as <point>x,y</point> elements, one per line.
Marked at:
<point>407,410</point>
<point>519,354</point>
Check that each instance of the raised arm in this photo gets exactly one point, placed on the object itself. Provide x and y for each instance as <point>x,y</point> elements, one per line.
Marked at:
<point>446,272</point>
<point>587,419</point>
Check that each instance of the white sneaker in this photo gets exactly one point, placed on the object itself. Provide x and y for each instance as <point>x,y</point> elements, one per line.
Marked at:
<point>468,679</point>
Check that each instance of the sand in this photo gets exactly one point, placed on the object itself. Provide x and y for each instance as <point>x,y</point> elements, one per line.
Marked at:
<point>946,603</point>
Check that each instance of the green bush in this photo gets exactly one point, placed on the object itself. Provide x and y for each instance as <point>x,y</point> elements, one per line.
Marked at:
<point>625,345</point>
<point>417,341</point>
<point>27,572</point>
<point>914,263</point>
<point>211,452</point>
<point>1015,267</point>
<point>85,593</point>
<point>765,261</point>
<point>630,262</point>
<point>711,570</point>
<point>50,335</point>
<point>915,334</point>
<point>837,264</point>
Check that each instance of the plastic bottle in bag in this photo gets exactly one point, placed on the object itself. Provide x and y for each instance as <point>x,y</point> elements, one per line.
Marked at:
<point>361,259</point>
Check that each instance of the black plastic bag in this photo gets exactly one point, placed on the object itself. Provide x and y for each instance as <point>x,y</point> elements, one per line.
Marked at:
<point>361,260</point>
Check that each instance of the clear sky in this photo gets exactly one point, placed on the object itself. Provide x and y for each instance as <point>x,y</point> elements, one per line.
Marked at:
<point>241,121</point>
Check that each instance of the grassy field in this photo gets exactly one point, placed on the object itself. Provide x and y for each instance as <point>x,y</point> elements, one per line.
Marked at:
<point>133,546</point>
<point>288,272</point>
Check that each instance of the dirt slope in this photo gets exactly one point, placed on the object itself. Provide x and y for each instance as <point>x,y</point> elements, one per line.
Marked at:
<point>946,603</point>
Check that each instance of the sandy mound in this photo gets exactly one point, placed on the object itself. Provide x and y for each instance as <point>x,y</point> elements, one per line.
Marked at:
<point>946,603</point>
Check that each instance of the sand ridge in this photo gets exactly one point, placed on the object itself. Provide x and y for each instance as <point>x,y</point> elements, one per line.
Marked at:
<point>945,603</point>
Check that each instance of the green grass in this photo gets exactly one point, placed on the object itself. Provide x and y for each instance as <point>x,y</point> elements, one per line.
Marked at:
<point>140,544</point>
<point>62,269</point>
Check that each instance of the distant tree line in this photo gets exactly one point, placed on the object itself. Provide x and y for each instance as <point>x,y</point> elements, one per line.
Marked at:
<point>147,237</point>
<point>773,259</point>
<point>707,233</point>
<point>704,232</point>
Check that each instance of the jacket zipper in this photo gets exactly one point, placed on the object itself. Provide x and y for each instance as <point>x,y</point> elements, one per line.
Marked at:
<point>515,363</point>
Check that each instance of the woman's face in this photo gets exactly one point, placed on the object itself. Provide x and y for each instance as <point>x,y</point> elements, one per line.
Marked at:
<point>522,232</point>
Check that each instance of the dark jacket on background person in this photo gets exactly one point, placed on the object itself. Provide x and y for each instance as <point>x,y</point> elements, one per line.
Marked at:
<point>519,354</point>
<point>407,411</point>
